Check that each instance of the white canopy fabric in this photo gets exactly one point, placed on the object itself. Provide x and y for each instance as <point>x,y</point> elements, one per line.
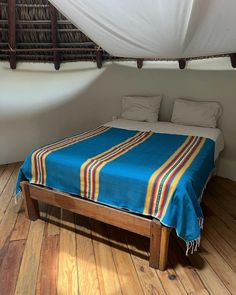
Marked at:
<point>156,28</point>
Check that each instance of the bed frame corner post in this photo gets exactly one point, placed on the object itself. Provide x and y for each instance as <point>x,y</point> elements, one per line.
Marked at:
<point>155,238</point>
<point>159,244</point>
<point>31,205</point>
<point>164,247</point>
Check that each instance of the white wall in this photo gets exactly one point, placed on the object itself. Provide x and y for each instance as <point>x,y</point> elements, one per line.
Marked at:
<point>39,105</point>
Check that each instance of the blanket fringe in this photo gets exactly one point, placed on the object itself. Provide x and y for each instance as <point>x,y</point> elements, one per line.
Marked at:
<point>192,246</point>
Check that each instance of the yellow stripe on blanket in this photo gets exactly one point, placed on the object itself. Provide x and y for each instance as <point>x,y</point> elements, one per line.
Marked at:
<point>178,177</point>
<point>38,158</point>
<point>90,170</point>
<point>152,180</point>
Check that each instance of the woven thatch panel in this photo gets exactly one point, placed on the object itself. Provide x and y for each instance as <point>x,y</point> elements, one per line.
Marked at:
<point>32,13</point>
<point>3,9</point>
<point>3,34</point>
<point>33,30</point>
<point>61,17</point>
<point>67,36</point>
<point>3,28</point>
<point>33,36</point>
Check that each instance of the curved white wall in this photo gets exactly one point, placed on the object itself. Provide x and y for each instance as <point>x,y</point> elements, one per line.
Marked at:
<point>39,105</point>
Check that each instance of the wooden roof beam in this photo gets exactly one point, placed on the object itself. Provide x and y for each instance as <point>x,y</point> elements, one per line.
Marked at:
<point>233,59</point>
<point>182,63</point>
<point>12,32</point>
<point>99,58</point>
<point>140,63</point>
<point>54,34</point>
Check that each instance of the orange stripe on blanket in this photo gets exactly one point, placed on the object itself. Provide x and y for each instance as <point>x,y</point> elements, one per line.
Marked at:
<point>161,186</point>
<point>165,179</point>
<point>150,198</point>
<point>177,176</point>
<point>90,170</point>
<point>38,158</point>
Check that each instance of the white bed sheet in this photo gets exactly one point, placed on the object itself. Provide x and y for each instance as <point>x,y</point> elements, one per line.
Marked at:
<point>170,128</point>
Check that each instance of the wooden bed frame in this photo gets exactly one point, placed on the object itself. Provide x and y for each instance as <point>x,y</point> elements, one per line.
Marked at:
<point>158,234</point>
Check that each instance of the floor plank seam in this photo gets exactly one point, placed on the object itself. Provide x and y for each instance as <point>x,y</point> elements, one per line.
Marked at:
<point>109,240</point>
<point>222,257</point>
<point>56,291</point>
<point>134,265</point>
<point>8,179</point>
<point>190,263</point>
<point>91,235</point>
<point>7,240</point>
<point>19,267</point>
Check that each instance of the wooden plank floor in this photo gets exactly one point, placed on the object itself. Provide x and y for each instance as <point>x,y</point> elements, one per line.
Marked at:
<point>63,253</point>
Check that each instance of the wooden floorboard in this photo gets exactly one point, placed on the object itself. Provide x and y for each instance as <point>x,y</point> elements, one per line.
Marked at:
<point>128,277</point>
<point>67,277</point>
<point>86,261</point>
<point>64,253</point>
<point>148,277</point>
<point>107,272</point>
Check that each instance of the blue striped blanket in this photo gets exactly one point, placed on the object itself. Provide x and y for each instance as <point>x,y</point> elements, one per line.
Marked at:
<point>153,174</point>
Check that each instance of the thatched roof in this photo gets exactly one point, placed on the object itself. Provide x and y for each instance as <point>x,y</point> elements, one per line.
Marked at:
<point>34,31</point>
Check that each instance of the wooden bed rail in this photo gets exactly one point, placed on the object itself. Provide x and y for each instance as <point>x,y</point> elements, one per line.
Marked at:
<point>158,234</point>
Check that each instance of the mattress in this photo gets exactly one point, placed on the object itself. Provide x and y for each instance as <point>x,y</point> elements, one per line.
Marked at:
<point>214,134</point>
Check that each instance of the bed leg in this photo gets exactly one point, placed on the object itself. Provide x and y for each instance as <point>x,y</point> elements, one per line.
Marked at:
<point>31,205</point>
<point>164,246</point>
<point>159,242</point>
<point>155,238</point>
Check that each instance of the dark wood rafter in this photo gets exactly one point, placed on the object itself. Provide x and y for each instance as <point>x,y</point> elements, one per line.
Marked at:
<point>140,63</point>
<point>54,34</point>
<point>182,63</point>
<point>99,58</point>
<point>12,32</point>
<point>20,50</point>
<point>233,59</point>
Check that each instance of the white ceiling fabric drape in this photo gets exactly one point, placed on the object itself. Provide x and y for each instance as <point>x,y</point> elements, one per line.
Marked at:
<point>156,28</point>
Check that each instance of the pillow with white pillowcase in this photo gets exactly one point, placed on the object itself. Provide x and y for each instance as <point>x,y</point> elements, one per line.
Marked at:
<point>196,113</point>
<point>141,108</point>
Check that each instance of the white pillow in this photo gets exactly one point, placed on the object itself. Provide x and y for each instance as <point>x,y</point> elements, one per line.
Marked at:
<point>196,113</point>
<point>141,108</point>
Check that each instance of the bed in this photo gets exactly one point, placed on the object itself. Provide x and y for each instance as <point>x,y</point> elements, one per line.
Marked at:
<point>143,177</point>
